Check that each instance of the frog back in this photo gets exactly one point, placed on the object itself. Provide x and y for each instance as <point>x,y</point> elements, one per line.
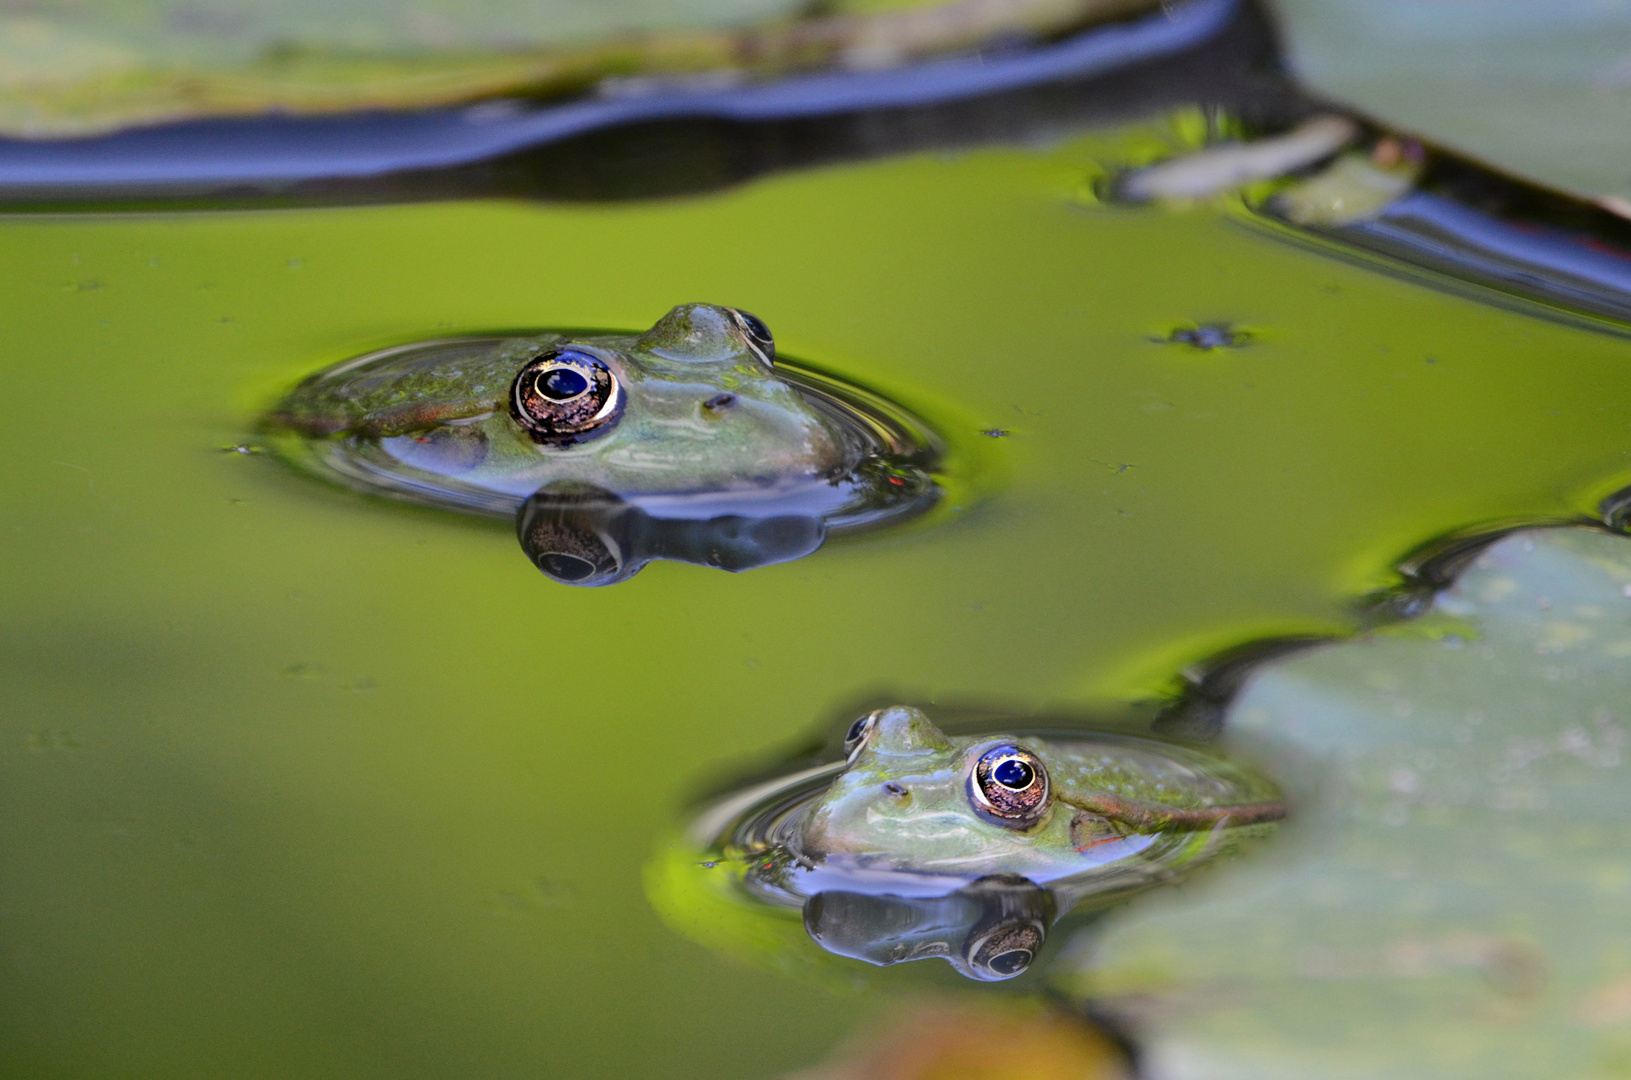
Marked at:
<point>408,389</point>
<point>1147,772</point>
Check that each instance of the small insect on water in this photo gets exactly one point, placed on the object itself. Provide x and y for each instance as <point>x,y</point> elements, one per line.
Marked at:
<point>1207,336</point>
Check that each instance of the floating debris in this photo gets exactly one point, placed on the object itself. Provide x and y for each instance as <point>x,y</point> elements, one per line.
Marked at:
<point>1227,166</point>
<point>1208,336</point>
<point>1353,188</point>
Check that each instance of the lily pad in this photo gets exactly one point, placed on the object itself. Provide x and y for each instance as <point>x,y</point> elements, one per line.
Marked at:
<point>1538,90</point>
<point>1449,898</point>
<point>81,66</point>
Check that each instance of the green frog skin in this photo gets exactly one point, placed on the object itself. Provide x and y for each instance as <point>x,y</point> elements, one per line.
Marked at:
<point>693,405</point>
<point>915,799</point>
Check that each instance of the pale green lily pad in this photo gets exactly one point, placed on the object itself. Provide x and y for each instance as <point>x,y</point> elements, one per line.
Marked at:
<point>1450,897</point>
<point>82,66</point>
<point>1540,90</point>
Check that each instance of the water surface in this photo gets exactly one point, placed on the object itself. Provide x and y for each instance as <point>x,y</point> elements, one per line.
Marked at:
<point>291,781</point>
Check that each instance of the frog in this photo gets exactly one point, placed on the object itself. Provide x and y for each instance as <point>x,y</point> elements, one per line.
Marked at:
<point>692,441</point>
<point>913,799</point>
<point>695,403</point>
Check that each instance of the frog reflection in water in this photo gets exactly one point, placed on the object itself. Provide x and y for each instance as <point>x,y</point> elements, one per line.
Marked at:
<point>692,421</point>
<point>915,799</point>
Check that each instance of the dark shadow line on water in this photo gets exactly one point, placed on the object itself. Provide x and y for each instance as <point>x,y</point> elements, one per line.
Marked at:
<point>1473,232</point>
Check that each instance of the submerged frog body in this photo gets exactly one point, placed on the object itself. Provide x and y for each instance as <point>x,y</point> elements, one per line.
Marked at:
<point>693,427</point>
<point>915,799</point>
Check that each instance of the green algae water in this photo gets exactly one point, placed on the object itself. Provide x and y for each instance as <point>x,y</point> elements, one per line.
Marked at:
<point>298,783</point>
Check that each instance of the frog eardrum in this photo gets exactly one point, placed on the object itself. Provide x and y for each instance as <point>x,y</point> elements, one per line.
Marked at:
<point>565,395</point>
<point>1009,786</point>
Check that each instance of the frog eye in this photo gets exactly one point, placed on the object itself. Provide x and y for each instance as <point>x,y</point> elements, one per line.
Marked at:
<point>757,335</point>
<point>1008,786</point>
<point>564,395</point>
<point>855,737</point>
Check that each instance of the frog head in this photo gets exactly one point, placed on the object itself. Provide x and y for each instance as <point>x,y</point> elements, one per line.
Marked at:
<point>913,798</point>
<point>695,404</point>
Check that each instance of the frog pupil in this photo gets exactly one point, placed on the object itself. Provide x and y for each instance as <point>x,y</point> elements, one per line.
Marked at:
<point>561,384</point>
<point>1011,962</point>
<point>1013,774</point>
<point>856,730</point>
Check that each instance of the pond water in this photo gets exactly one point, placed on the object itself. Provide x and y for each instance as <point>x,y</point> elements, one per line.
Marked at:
<point>298,783</point>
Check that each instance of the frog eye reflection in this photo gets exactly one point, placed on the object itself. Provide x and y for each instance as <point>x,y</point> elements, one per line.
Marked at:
<point>564,395</point>
<point>1008,786</point>
<point>757,334</point>
<point>855,737</point>
<point>1006,950</point>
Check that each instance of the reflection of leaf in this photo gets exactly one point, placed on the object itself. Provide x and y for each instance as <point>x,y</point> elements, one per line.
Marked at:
<point>942,1040</point>
<point>1455,868</point>
<point>775,868</point>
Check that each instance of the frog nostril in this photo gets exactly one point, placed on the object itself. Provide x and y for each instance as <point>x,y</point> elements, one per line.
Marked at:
<point>896,790</point>
<point>719,402</point>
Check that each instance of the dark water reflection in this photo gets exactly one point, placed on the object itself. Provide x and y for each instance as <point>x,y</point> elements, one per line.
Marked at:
<point>586,536</point>
<point>990,930</point>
